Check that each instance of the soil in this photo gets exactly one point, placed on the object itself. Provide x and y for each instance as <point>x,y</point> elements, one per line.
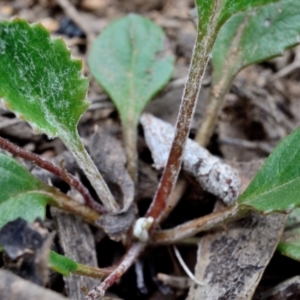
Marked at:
<point>262,107</point>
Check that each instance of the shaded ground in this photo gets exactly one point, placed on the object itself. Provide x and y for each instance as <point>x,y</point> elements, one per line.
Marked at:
<point>261,108</point>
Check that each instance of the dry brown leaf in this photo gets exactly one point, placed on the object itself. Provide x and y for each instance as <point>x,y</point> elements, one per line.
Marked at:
<point>109,156</point>
<point>213,175</point>
<point>231,263</point>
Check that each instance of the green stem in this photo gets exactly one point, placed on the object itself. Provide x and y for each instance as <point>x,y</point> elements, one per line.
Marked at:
<point>92,272</point>
<point>221,82</point>
<point>64,202</point>
<point>65,265</point>
<point>85,162</point>
<point>130,144</point>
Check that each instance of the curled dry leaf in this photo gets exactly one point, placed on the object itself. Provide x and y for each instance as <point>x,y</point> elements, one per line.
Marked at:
<point>109,156</point>
<point>116,225</point>
<point>213,175</point>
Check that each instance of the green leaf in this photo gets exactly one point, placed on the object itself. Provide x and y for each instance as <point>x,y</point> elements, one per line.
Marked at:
<point>291,249</point>
<point>222,10</point>
<point>62,264</point>
<point>15,179</point>
<point>256,36</point>
<point>212,15</point>
<point>127,60</point>
<point>290,240</point>
<point>276,187</point>
<point>38,78</point>
<point>294,219</point>
<point>42,83</point>
<point>22,195</point>
<point>28,206</point>
<point>247,38</point>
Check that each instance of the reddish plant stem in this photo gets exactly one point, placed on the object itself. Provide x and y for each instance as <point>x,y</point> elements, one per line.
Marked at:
<point>131,255</point>
<point>200,58</point>
<point>201,55</point>
<point>62,173</point>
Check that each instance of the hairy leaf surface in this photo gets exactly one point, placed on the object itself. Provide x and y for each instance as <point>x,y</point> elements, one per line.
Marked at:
<point>38,78</point>
<point>255,36</point>
<point>43,84</point>
<point>222,10</point>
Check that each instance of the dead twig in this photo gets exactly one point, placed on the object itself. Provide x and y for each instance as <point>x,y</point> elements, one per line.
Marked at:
<point>185,267</point>
<point>189,229</point>
<point>73,14</point>
<point>289,68</point>
<point>177,282</point>
<point>265,147</point>
<point>283,290</point>
<point>6,122</point>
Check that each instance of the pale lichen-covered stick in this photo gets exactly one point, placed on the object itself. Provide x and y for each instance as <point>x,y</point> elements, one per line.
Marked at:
<point>213,175</point>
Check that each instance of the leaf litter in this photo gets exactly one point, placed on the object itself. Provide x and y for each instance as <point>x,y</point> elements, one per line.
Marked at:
<point>166,17</point>
<point>212,174</point>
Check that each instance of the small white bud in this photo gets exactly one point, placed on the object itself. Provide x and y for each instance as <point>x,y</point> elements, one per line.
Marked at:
<point>141,227</point>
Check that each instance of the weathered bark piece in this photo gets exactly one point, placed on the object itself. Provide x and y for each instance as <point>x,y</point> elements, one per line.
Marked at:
<point>214,175</point>
<point>288,290</point>
<point>231,263</point>
<point>13,287</point>
<point>78,243</point>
